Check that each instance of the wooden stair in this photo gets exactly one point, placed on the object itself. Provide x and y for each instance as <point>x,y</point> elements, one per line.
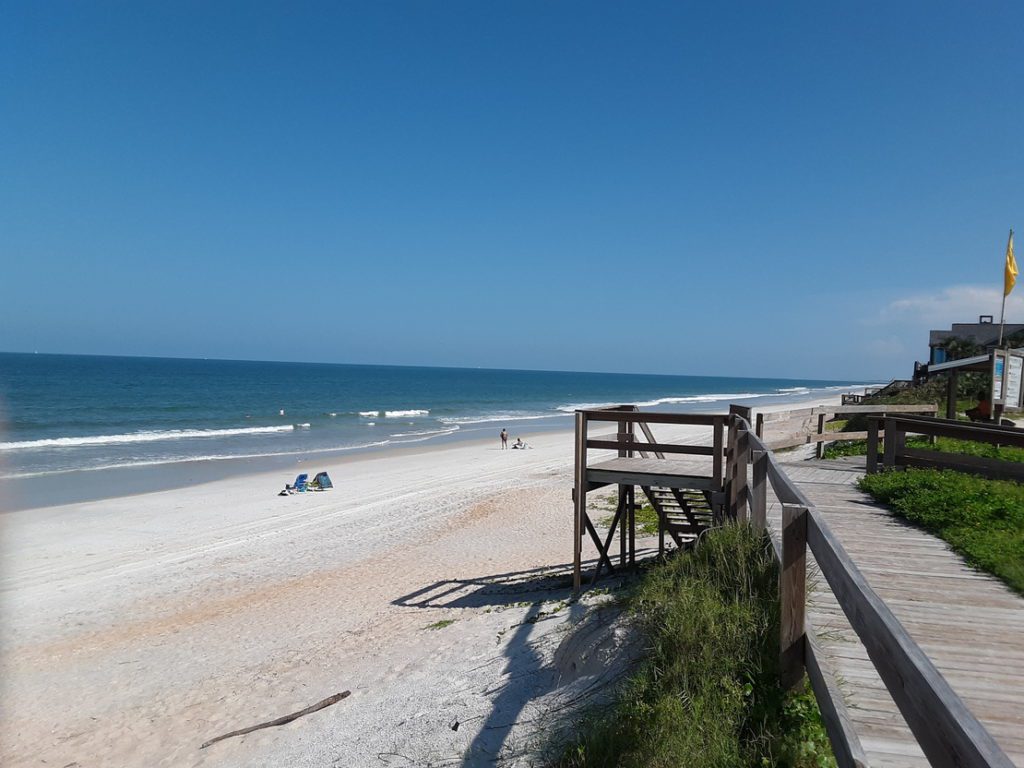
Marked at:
<point>684,514</point>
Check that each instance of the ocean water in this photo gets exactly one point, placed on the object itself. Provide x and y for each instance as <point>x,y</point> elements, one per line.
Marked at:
<point>66,413</point>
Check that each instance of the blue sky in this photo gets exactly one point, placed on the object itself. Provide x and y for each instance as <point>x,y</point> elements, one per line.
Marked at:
<point>755,189</point>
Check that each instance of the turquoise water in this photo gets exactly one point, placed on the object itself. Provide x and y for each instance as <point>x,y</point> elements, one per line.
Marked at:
<point>63,412</point>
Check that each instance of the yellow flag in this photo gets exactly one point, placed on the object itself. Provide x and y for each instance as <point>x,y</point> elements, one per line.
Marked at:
<point>1010,273</point>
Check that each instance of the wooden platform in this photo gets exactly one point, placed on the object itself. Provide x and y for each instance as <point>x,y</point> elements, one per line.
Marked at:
<point>661,473</point>
<point>969,624</point>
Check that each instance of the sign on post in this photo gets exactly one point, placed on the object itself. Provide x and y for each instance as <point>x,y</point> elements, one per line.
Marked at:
<point>1007,371</point>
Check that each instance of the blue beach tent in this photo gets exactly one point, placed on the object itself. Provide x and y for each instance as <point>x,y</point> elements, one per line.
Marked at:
<point>321,482</point>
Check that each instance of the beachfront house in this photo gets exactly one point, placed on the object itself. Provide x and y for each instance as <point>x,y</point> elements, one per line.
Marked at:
<point>983,335</point>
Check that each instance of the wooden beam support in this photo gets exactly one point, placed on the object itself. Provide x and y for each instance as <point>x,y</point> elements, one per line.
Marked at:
<point>889,457</point>
<point>951,391</point>
<point>793,594</point>
<point>872,457</point>
<point>579,497</point>
<point>759,490</point>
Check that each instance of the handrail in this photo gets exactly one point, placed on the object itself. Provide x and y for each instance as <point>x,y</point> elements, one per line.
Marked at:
<point>825,412</point>
<point>946,730</point>
<point>648,417</point>
<point>896,454</point>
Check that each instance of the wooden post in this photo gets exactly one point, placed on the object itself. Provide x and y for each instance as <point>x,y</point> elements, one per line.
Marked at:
<point>759,490</point>
<point>716,459</point>
<point>625,433</point>
<point>740,478</point>
<point>730,470</point>
<point>741,453</point>
<point>889,457</point>
<point>633,524</point>
<point>900,446</point>
<point>951,395</point>
<point>793,594</point>
<point>760,426</point>
<point>819,449</point>
<point>579,497</point>
<point>872,457</point>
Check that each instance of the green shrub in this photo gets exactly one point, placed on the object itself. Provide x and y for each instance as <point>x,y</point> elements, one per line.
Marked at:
<point>708,693</point>
<point>942,444</point>
<point>982,519</point>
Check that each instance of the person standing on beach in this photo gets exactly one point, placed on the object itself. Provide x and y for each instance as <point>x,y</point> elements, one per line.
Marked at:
<point>504,439</point>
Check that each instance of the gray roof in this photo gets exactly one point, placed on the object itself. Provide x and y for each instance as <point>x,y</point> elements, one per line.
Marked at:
<point>980,333</point>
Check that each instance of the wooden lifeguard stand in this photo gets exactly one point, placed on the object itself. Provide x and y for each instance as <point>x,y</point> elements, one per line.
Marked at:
<point>686,501</point>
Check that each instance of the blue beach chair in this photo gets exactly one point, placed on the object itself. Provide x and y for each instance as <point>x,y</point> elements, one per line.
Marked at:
<point>301,485</point>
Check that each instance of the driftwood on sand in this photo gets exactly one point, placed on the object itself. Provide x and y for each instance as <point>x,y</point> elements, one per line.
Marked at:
<point>281,720</point>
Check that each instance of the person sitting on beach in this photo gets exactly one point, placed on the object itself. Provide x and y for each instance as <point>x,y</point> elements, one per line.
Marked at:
<point>983,411</point>
<point>519,443</point>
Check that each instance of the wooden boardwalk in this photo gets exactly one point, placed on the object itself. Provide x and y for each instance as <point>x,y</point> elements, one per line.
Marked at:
<point>969,624</point>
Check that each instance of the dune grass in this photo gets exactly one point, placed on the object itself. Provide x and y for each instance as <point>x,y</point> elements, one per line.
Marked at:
<point>707,694</point>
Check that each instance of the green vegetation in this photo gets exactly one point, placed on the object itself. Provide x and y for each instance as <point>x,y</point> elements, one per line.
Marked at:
<point>707,694</point>
<point>646,519</point>
<point>440,624</point>
<point>982,519</point>
<point>942,444</point>
<point>971,448</point>
<point>848,448</point>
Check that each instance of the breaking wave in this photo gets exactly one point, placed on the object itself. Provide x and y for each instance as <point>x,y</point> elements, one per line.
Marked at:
<point>428,432</point>
<point>709,398</point>
<point>394,414</point>
<point>142,437</point>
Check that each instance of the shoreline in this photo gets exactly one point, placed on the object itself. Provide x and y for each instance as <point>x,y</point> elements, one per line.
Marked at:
<point>60,488</point>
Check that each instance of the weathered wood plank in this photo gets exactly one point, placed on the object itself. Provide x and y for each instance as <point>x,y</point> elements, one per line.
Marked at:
<point>661,473</point>
<point>842,734</point>
<point>614,445</point>
<point>930,619</point>
<point>793,594</point>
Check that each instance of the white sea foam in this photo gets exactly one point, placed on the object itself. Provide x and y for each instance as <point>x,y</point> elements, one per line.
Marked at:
<point>369,414</point>
<point>793,390</point>
<point>152,436</point>
<point>709,398</point>
<point>302,426</point>
<point>456,420</point>
<point>188,459</point>
<point>428,432</point>
<point>405,414</point>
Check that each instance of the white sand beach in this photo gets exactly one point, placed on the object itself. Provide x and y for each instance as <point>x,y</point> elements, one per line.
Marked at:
<point>430,583</point>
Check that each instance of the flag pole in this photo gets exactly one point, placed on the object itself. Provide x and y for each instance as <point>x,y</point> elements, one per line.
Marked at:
<point>1009,280</point>
<point>1002,315</point>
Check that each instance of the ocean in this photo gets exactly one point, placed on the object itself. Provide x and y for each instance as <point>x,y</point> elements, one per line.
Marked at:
<point>73,413</point>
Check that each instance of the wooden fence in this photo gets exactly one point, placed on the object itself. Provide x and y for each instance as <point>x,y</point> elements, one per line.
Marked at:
<point>947,732</point>
<point>896,453</point>
<point>822,415</point>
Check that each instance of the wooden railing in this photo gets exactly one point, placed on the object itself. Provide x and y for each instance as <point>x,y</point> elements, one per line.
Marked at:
<point>949,735</point>
<point>895,453</point>
<point>823,414</point>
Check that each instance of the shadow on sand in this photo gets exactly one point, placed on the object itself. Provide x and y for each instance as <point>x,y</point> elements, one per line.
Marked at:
<point>544,676</point>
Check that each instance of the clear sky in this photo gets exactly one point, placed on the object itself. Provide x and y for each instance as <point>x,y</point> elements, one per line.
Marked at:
<point>751,189</point>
